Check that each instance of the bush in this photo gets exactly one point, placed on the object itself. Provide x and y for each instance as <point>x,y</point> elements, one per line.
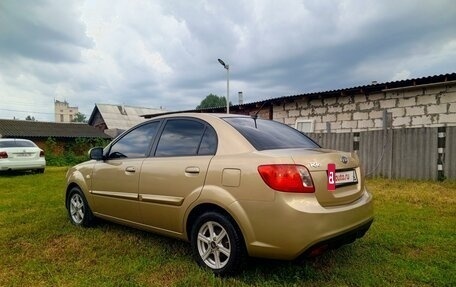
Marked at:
<point>67,159</point>
<point>70,153</point>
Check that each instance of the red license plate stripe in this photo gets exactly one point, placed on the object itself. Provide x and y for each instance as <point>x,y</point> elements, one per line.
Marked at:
<point>331,177</point>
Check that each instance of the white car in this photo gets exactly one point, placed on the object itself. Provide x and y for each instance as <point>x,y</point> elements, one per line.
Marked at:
<point>21,154</point>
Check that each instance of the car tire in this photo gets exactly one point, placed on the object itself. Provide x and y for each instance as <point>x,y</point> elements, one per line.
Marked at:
<point>78,209</point>
<point>40,170</point>
<point>217,243</point>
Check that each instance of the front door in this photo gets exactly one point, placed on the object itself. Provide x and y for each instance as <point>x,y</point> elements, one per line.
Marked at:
<point>115,180</point>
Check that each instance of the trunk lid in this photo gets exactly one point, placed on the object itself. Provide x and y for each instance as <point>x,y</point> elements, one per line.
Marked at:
<point>22,153</point>
<point>350,185</point>
<point>348,179</point>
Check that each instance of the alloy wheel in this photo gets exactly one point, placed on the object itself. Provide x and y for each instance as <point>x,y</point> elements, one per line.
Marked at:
<point>213,245</point>
<point>77,208</point>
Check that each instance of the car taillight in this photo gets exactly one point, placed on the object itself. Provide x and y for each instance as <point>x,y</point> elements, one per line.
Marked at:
<point>287,177</point>
<point>3,154</point>
<point>41,153</point>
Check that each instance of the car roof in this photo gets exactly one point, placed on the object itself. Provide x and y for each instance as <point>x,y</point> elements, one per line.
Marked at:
<point>198,115</point>
<point>13,139</point>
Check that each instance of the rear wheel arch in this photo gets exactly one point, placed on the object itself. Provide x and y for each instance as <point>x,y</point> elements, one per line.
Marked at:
<point>199,210</point>
<point>209,216</point>
<point>217,243</point>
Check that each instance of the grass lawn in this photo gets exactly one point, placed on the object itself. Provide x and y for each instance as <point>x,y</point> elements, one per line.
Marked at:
<point>411,243</point>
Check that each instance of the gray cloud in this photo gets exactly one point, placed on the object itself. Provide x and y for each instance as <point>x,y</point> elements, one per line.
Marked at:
<point>163,53</point>
<point>41,30</point>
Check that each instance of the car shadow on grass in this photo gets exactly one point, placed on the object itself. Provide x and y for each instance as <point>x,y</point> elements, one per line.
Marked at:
<point>255,271</point>
<point>15,173</point>
<point>278,272</point>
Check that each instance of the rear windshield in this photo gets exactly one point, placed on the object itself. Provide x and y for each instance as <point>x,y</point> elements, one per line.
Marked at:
<point>266,134</point>
<point>13,143</point>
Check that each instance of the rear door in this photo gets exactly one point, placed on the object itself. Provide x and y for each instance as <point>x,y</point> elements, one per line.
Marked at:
<point>173,178</point>
<point>115,180</point>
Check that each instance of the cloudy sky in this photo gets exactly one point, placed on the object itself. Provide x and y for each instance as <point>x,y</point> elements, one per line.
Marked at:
<point>157,53</point>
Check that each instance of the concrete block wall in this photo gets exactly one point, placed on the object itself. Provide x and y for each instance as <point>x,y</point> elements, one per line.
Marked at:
<point>431,106</point>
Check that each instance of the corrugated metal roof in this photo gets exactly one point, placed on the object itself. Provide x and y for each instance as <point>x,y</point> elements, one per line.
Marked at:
<point>21,128</point>
<point>371,88</point>
<point>376,87</point>
<point>122,117</point>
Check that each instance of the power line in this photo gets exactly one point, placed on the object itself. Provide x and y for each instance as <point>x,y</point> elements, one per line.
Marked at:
<point>13,104</point>
<point>19,111</point>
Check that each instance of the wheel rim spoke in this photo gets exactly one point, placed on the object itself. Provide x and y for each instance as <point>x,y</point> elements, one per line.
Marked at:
<point>224,250</point>
<point>206,254</point>
<point>203,238</point>
<point>217,259</point>
<point>211,230</point>
<point>81,214</point>
<point>220,236</point>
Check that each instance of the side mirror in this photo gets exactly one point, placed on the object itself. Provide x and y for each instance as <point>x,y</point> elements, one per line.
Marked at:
<point>96,153</point>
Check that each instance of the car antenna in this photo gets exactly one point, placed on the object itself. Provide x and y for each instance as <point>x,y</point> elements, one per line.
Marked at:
<point>255,115</point>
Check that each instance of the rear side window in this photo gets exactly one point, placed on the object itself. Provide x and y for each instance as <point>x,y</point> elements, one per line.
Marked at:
<point>208,144</point>
<point>266,134</point>
<point>180,137</point>
<point>14,143</point>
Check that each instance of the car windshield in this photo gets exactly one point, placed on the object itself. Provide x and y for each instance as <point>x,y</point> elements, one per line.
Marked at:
<point>266,134</point>
<point>14,143</point>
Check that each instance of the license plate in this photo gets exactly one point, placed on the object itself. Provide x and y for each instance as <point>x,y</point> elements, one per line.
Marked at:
<point>23,154</point>
<point>343,177</point>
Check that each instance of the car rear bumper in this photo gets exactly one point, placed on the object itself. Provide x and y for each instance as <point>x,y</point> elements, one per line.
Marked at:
<point>335,242</point>
<point>11,165</point>
<point>298,225</point>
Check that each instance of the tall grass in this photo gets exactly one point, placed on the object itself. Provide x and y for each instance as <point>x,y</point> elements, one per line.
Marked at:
<point>411,243</point>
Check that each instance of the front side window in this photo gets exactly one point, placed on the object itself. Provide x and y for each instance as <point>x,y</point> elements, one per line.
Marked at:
<point>180,137</point>
<point>267,134</point>
<point>136,143</point>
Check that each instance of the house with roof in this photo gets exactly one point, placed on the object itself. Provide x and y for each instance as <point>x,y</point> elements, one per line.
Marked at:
<point>63,135</point>
<point>114,119</point>
<point>422,102</point>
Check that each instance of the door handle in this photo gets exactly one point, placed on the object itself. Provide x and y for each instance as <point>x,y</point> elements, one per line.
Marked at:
<point>130,169</point>
<point>192,170</point>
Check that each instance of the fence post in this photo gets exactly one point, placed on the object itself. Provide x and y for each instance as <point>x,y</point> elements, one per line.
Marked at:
<point>356,142</point>
<point>441,134</point>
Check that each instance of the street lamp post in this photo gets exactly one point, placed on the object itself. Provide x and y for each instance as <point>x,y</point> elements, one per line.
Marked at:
<point>227,67</point>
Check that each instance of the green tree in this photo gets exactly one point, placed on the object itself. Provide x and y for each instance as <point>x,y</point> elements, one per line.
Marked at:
<point>212,101</point>
<point>29,118</point>
<point>79,118</point>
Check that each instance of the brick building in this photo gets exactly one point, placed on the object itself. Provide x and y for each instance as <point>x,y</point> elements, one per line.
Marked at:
<point>422,102</point>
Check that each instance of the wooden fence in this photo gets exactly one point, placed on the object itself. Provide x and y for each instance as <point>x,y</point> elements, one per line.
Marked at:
<point>413,153</point>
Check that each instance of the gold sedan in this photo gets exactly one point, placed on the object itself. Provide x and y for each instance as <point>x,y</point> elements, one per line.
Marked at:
<point>234,186</point>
